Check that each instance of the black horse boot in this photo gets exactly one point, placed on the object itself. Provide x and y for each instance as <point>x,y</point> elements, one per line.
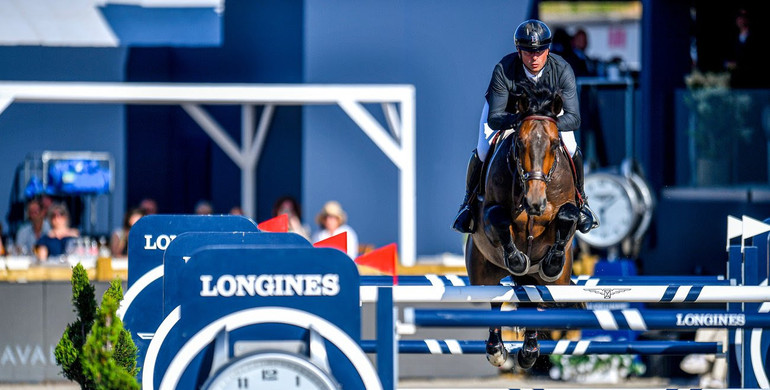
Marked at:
<point>464,222</point>
<point>588,220</point>
<point>530,350</point>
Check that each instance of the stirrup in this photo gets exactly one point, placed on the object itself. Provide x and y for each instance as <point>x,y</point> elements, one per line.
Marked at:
<point>464,221</point>
<point>585,214</point>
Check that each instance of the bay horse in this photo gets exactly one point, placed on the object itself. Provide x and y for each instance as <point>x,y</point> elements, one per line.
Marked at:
<point>529,211</point>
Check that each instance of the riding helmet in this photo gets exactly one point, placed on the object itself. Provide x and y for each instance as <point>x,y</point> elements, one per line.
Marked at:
<point>532,35</point>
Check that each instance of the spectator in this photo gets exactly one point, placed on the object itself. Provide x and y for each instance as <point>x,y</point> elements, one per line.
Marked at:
<point>30,232</point>
<point>289,206</point>
<point>148,206</point>
<point>55,242</point>
<point>236,210</point>
<point>203,207</point>
<point>119,237</point>
<point>744,62</point>
<point>581,63</point>
<point>332,220</point>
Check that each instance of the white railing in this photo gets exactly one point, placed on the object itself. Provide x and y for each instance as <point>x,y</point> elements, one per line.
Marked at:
<point>397,143</point>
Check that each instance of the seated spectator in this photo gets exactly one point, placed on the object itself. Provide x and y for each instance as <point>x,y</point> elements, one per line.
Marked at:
<point>119,237</point>
<point>148,206</point>
<point>289,206</point>
<point>203,207</point>
<point>55,242</point>
<point>333,221</point>
<point>236,210</point>
<point>30,232</point>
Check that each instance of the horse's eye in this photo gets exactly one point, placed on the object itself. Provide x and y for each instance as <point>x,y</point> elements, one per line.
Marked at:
<point>555,145</point>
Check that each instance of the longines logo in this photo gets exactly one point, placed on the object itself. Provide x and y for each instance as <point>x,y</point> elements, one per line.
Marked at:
<point>268,285</point>
<point>161,242</point>
<point>607,292</point>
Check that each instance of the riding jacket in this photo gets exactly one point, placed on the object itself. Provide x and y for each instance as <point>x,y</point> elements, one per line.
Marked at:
<point>510,70</point>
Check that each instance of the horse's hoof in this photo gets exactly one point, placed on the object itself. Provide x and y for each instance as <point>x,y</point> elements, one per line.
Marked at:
<point>552,266</point>
<point>527,359</point>
<point>516,261</point>
<point>497,354</point>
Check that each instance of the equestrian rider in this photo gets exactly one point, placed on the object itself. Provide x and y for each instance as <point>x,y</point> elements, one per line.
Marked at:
<point>533,61</point>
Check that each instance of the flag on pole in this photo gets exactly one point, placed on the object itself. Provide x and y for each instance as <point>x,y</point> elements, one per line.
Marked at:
<point>384,259</point>
<point>279,224</point>
<point>734,229</point>
<point>751,228</point>
<point>339,241</point>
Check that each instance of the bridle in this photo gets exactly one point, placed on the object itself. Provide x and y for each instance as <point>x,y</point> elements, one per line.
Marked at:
<point>524,177</point>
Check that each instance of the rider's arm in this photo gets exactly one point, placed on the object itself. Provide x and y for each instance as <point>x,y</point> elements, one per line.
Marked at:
<point>570,120</point>
<point>497,97</point>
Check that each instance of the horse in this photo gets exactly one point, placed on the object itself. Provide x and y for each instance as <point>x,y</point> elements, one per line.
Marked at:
<point>529,211</point>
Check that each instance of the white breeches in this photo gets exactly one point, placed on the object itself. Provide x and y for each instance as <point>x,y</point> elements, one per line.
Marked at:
<point>486,134</point>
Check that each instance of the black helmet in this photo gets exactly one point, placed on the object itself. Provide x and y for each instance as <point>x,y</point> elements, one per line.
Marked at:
<point>532,35</point>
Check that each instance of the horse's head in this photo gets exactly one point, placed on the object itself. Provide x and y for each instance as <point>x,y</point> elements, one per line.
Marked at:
<point>537,143</point>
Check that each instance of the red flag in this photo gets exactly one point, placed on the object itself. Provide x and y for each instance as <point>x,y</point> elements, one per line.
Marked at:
<point>339,241</point>
<point>279,224</point>
<point>383,259</point>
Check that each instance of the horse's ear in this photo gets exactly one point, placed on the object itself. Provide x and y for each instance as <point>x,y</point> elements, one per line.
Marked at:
<point>522,103</point>
<point>557,104</point>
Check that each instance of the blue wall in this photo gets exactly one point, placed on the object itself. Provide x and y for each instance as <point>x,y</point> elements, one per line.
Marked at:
<point>447,49</point>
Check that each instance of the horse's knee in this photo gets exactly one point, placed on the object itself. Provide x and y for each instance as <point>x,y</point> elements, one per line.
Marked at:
<point>497,219</point>
<point>566,220</point>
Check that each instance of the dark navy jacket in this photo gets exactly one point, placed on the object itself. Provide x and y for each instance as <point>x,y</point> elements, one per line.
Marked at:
<point>510,70</point>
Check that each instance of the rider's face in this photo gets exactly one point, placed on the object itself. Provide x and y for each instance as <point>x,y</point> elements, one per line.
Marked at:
<point>534,60</point>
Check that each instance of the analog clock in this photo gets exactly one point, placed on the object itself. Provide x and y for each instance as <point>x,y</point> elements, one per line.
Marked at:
<point>271,371</point>
<point>614,201</point>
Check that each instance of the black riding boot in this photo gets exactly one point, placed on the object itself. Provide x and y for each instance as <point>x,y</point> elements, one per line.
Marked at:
<point>464,222</point>
<point>588,220</point>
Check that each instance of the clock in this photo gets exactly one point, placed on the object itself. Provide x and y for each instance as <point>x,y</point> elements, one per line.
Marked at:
<point>276,370</point>
<point>281,365</point>
<point>615,202</point>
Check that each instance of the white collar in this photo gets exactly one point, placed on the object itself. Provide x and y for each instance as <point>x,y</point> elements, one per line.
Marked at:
<point>534,77</point>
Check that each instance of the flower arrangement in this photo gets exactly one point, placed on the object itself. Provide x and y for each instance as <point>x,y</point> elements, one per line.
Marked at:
<point>595,368</point>
<point>719,113</point>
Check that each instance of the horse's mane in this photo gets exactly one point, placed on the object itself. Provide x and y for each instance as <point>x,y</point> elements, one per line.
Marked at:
<point>540,97</point>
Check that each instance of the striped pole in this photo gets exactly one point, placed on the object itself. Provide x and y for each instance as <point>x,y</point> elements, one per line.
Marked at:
<point>572,294</point>
<point>548,347</point>
<point>628,319</point>
<point>581,280</point>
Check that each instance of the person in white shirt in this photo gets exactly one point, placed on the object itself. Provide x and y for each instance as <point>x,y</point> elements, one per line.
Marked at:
<point>333,221</point>
<point>37,225</point>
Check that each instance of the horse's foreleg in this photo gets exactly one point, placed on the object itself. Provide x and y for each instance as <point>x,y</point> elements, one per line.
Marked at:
<point>530,350</point>
<point>497,227</point>
<point>552,265</point>
<point>497,355</point>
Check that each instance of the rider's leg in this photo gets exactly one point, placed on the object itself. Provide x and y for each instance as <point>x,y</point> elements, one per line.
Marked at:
<point>588,220</point>
<point>464,222</point>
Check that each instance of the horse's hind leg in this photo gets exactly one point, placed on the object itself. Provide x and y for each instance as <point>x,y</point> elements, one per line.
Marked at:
<point>497,227</point>
<point>530,350</point>
<point>552,265</point>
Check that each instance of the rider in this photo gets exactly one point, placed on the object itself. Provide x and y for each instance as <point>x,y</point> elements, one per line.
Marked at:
<point>532,60</point>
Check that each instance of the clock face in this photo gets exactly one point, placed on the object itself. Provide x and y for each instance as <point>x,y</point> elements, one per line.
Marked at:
<point>612,201</point>
<point>271,371</point>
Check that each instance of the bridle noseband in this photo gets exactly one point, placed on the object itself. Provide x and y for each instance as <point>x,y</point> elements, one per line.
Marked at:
<point>534,175</point>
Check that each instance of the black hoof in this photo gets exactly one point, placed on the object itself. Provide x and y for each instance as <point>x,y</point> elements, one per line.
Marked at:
<point>497,355</point>
<point>527,359</point>
<point>553,263</point>
<point>464,222</point>
<point>516,261</point>
<point>529,351</point>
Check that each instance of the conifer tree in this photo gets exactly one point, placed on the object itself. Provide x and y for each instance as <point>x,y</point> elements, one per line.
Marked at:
<point>95,350</point>
<point>68,350</point>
